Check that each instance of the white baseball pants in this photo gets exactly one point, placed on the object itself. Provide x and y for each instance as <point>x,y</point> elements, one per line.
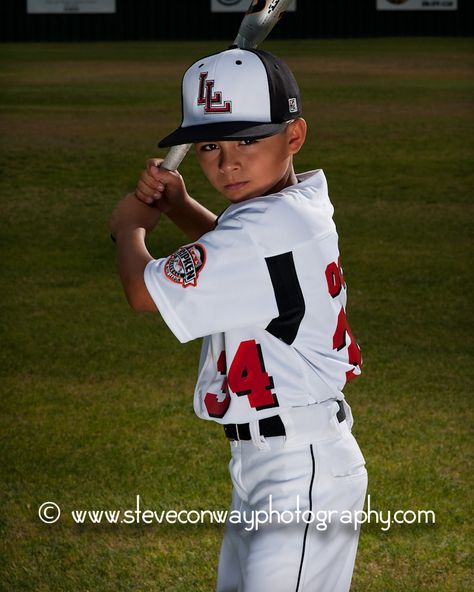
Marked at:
<point>294,481</point>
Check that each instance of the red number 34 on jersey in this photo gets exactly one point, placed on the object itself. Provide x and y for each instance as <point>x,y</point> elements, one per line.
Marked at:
<point>247,377</point>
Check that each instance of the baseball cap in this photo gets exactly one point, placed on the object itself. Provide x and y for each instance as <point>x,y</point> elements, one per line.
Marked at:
<point>235,94</point>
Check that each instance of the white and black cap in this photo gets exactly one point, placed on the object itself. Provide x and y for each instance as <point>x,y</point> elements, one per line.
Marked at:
<point>236,94</point>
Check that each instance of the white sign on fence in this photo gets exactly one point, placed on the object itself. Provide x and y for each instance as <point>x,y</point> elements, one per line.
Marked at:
<point>70,6</point>
<point>238,5</point>
<point>417,4</point>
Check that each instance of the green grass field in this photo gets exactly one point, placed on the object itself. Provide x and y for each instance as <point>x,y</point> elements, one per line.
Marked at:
<point>96,400</point>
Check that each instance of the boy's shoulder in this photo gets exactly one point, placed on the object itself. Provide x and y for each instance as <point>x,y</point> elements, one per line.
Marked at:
<point>283,220</point>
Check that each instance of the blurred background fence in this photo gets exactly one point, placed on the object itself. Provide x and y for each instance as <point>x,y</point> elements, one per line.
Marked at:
<point>194,20</point>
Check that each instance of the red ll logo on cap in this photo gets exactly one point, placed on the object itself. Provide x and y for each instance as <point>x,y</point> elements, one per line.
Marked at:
<point>212,102</point>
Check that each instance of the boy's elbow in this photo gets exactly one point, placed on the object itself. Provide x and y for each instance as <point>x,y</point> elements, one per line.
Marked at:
<point>140,300</point>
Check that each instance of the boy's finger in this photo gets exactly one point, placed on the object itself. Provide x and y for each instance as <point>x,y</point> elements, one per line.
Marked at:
<point>153,164</point>
<point>146,197</point>
<point>148,201</point>
<point>146,192</point>
<point>142,197</point>
<point>163,175</point>
<point>157,183</point>
<point>150,186</point>
<point>147,181</point>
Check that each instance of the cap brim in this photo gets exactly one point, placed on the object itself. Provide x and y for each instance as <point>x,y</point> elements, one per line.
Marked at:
<point>235,130</point>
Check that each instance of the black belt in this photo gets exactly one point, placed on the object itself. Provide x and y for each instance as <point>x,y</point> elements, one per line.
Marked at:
<point>268,427</point>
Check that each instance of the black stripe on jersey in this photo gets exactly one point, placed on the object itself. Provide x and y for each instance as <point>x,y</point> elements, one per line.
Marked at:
<point>289,297</point>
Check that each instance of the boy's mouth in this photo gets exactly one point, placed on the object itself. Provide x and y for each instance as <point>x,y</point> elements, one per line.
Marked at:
<point>235,186</point>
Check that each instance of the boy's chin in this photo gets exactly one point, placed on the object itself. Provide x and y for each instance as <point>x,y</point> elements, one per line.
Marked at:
<point>239,198</point>
<point>242,194</point>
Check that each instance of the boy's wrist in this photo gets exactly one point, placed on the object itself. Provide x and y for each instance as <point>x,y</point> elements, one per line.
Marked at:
<point>179,206</point>
<point>133,218</point>
<point>126,233</point>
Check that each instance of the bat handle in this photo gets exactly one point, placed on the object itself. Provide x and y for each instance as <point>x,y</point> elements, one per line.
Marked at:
<point>243,43</point>
<point>174,157</point>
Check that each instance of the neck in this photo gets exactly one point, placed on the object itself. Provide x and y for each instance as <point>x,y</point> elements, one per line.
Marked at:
<point>288,179</point>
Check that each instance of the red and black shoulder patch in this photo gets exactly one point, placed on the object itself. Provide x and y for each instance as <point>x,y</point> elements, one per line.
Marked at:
<point>184,266</point>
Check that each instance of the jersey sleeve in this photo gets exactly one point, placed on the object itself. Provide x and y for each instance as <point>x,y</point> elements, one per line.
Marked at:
<point>219,283</point>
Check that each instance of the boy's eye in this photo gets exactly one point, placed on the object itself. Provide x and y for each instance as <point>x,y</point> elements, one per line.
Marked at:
<point>208,147</point>
<point>248,141</point>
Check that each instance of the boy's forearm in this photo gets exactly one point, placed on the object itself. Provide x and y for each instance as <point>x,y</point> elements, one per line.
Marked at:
<point>132,257</point>
<point>192,218</point>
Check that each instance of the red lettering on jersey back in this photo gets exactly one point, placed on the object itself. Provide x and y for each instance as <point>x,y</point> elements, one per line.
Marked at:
<point>335,282</point>
<point>248,377</point>
<point>335,278</point>
<point>339,342</point>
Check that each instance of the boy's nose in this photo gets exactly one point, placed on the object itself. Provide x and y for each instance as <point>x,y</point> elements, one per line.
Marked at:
<point>229,160</point>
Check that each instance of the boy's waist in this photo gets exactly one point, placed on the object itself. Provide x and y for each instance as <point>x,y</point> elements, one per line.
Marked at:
<point>319,419</point>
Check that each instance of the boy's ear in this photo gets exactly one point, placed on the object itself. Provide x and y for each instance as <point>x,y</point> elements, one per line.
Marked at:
<point>296,134</point>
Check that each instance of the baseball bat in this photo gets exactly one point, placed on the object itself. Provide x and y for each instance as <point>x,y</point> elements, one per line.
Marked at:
<point>259,20</point>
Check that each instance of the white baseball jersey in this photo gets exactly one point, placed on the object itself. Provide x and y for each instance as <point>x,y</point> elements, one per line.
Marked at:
<point>266,290</point>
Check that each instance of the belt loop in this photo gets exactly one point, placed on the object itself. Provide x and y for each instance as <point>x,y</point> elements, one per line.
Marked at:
<point>341,414</point>
<point>258,440</point>
<point>237,431</point>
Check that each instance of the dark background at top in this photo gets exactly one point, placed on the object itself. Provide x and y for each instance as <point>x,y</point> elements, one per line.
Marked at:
<point>192,20</point>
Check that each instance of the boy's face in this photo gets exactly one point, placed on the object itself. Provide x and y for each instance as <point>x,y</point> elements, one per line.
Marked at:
<point>243,169</point>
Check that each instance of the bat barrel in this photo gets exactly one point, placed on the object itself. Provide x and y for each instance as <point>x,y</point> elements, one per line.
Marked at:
<point>259,20</point>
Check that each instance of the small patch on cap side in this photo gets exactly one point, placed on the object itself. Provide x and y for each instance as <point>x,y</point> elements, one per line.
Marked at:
<point>293,105</point>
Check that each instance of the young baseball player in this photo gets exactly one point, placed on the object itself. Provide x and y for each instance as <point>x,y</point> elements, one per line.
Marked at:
<point>263,284</point>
